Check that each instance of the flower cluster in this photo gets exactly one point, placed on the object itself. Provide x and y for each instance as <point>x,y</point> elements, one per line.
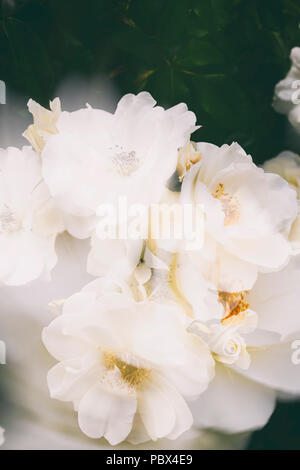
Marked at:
<point>164,337</point>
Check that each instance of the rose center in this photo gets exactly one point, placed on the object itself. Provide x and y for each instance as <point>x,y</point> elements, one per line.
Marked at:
<point>231,348</point>
<point>131,374</point>
<point>125,163</point>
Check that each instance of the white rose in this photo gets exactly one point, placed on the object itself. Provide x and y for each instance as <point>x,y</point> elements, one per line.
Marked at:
<point>125,365</point>
<point>36,421</point>
<point>254,362</point>
<point>96,157</point>
<point>227,339</point>
<point>247,213</point>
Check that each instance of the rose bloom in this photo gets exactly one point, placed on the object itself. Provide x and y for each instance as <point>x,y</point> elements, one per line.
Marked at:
<point>247,214</point>
<point>125,365</point>
<point>91,156</point>
<point>32,419</point>
<point>252,347</point>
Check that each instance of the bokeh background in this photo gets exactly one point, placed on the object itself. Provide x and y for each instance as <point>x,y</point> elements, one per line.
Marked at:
<point>222,57</point>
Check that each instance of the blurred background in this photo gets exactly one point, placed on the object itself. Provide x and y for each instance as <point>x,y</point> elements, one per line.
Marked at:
<point>222,57</point>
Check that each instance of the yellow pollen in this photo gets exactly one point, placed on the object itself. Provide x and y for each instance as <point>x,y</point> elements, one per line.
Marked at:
<point>219,191</point>
<point>234,303</point>
<point>230,206</point>
<point>133,375</point>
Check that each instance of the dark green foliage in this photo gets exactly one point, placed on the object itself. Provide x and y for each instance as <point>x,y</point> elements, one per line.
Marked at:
<point>222,57</point>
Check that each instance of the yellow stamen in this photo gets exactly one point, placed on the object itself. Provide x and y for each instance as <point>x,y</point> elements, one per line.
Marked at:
<point>133,375</point>
<point>234,304</point>
<point>219,191</point>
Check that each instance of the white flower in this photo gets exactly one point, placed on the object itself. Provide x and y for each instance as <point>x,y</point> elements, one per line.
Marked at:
<point>29,219</point>
<point>125,365</point>
<point>44,123</point>
<point>247,213</point>
<point>37,421</point>
<point>227,339</point>
<point>254,362</point>
<point>1,436</point>
<point>96,157</point>
<point>286,98</point>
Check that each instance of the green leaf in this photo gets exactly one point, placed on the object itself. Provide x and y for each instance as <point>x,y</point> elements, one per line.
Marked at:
<point>29,58</point>
<point>199,52</point>
<point>136,43</point>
